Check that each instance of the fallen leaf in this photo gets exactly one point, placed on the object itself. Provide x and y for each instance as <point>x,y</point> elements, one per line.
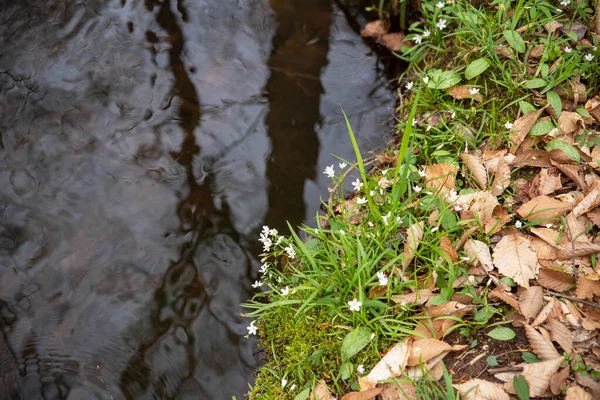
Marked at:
<point>366,395</point>
<point>587,287</point>
<point>395,41</point>
<point>514,257</point>
<point>375,28</point>
<point>321,392</point>
<point>423,350</point>
<point>521,128</point>
<point>479,389</point>
<point>532,158</point>
<point>440,177</point>
<point>538,376</point>
<point>577,393</point>
<point>570,122</point>
<point>476,168</point>
<point>399,391</point>
<point>590,201</point>
<point>541,347</point>
<point>480,251</point>
<point>593,107</point>
<point>559,379</point>
<point>561,335</point>
<point>573,172</point>
<point>414,236</point>
<point>464,92</point>
<point>392,364</point>
<point>447,248</point>
<point>499,168</point>
<point>590,383</point>
<point>481,204</point>
<point>531,301</point>
<point>543,250</point>
<point>550,310</point>
<point>552,26</point>
<point>556,280</point>
<point>418,297</point>
<point>505,297</point>
<point>543,208</point>
<point>448,308</point>
<point>594,215</point>
<point>578,249</point>
<point>548,235</point>
<point>549,182</point>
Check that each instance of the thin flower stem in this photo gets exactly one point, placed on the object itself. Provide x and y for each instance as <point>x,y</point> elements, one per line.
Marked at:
<point>367,161</point>
<point>578,300</point>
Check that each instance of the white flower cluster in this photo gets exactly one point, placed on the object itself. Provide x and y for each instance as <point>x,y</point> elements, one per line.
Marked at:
<point>266,238</point>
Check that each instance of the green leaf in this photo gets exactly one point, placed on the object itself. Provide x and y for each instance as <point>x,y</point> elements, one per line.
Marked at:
<point>448,220</point>
<point>526,107</point>
<point>554,100</point>
<point>568,149</point>
<point>508,281</point>
<point>492,361</point>
<point>375,304</point>
<point>514,40</point>
<point>346,370</point>
<point>442,79</point>
<point>438,300</point>
<point>583,112</point>
<point>529,357</point>
<point>535,83</point>
<point>541,128</point>
<point>502,333</point>
<point>303,395</point>
<point>521,387</point>
<point>477,67</point>
<point>355,341</point>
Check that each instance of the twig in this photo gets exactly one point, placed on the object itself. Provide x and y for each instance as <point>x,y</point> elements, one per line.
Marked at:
<point>367,161</point>
<point>516,368</point>
<point>105,385</point>
<point>587,303</point>
<point>572,246</point>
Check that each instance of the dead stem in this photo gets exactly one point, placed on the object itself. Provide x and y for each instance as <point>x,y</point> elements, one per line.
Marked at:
<point>104,382</point>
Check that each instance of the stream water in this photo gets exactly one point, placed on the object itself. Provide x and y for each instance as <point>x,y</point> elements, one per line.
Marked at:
<point>143,144</point>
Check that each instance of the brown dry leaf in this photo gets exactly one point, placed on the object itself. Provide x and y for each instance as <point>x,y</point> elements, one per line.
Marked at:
<point>543,208</point>
<point>418,297</point>
<point>552,26</point>
<point>481,204</point>
<point>449,308</point>
<point>366,395</point>
<point>593,107</point>
<point>537,51</point>
<point>543,250</point>
<point>505,297</point>
<point>448,249</point>
<point>577,393</point>
<point>541,347</point>
<point>538,376</point>
<point>440,176</point>
<point>577,228</point>
<point>548,235</point>
<point>590,383</point>
<point>414,236</point>
<point>424,350</point>
<point>556,280</point>
<point>475,166</point>
<point>578,249</point>
<point>549,181</point>
<point>480,251</point>
<point>532,158</point>
<point>392,364</point>
<point>590,201</point>
<point>559,379</point>
<point>480,389</point>
<point>531,301</point>
<point>550,310</point>
<point>499,168</point>
<point>561,335</point>
<point>521,128</point>
<point>514,257</point>
<point>573,172</point>
<point>463,92</point>
<point>594,215</point>
<point>375,28</point>
<point>399,391</point>
<point>321,392</point>
<point>395,41</point>
<point>499,218</point>
<point>569,122</point>
<point>588,287</point>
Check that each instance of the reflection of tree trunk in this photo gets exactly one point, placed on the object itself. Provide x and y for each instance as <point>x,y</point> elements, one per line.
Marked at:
<point>300,47</point>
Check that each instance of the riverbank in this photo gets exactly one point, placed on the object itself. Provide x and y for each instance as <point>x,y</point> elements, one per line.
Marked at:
<point>463,262</point>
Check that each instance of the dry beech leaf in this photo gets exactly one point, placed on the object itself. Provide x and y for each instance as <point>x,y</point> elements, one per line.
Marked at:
<point>415,234</point>
<point>501,176</point>
<point>449,308</point>
<point>531,301</point>
<point>392,364</point>
<point>577,393</point>
<point>543,208</point>
<point>464,92</point>
<point>395,41</point>
<point>572,172</point>
<point>440,176</point>
<point>548,235</point>
<point>448,249</point>
<point>556,280</point>
<point>321,392</point>
<point>570,122</point>
<point>571,314</point>
<point>505,297</point>
<point>543,250</point>
<point>577,228</point>
<point>538,376</point>
<point>559,379</point>
<point>549,182</point>
<point>553,26</point>
<point>499,218</point>
<point>432,368</point>
<point>521,128</point>
<point>593,107</point>
<point>590,201</point>
<point>481,251</point>
<point>532,158</point>
<point>476,168</point>
<point>541,347</point>
<point>479,389</point>
<point>399,391</point>
<point>481,204</point>
<point>550,310</point>
<point>424,350</point>
<point>587,381</point>
<point>419,297</point>
<point>561,335</point>
<point>578,249</point>
<point>594,216</point>
<point>366,395</point>
<point>587,287</point>
<point>375,28</point>
<point>514,257</point>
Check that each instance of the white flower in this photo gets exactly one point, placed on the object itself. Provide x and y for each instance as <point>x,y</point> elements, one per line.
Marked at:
<point>263,268</point>
<point>417,188</point>
<point>383,280</point>
<point>362,200</point>
<point>371,224</point>
<point>343,165</point>
<point>414,122</point>
<point>508,125</point>
<point>329,171</point>
<point>422,173</point>
<point>273,232</point>
<point>565,3</point>
<point>257,284</point>
<point>439,4</point>
<point>458,207</point>
<point>453,115</point>
<point>360,369</point>
<point>418,39</point>
<point>290,251</point>
<point>568,49</point>
<point>372,336</point>
<point>355,305</point>
<point>589,57</point>
<point>466,258</point>
<point>285,291</point>
<point>548,225</point>
<point>471,279</point>
<point>426,79</point>
<point>518,224</point>
<point>426,33</point>
<point>342,232</point>
<point>441,24</point>
<point>293,387</point>
<point>409,85</point>
<point>473,91</point>
<point>435,228</point>
<point>283,382</point>
<point>386,217</point>
<point>357,184</point>
<point>403,303</point>
<point>267,244</point>
<point>372,193</point>
<point>252,328</point>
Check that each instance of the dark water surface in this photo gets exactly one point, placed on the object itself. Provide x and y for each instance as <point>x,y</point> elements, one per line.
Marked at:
<point>143,144</point>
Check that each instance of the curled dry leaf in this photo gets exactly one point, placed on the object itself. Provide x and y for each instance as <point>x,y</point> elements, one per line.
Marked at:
<point>514,257</point>
<point>419,297</point>
<point>551,310</point>
<point>543,208</point>
<point>593,107</point>
<point>375,28</point>
<point>543,348</point>
<point>543,250</point>
<point>479,389</point>
<point>391,365</point>
<point>570,122</point>
<point>440,177</point>
<point>521,128</point>
<point>322,392</point>
<point>590,383</point>
<point>505,297</point>
<point>550,236</point>
<point>577,393</point>
<point>481,204</point>
<point>499,168</point>
<point>556,280</point>
<point>423,350</point>
<point>464,92</point>
<point>578,249</point>
<point>537,376</point>
<point>549,181</point>
<point>532,158</point>
<point>365,395</point>
<point>399,391</point>
<point>448,249</point>
<point>476,168</point>
<point>395,41</point>
<point>531,301</point>
<point>590,201</point>
<point>415,234</point>
<point>573,172</point>
<point>561,335</point>
<point>588,287</point>
<point>594,216</point>
<point>480,251</point>
<point>559,379</point>
<point>449,308</point>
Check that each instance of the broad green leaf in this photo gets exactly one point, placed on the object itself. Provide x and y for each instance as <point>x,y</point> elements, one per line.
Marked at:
<point>529,357</point>
<point>346,370</point>
<point>526,107</point>
<point>508,281</point>
<point>567,148</point>
<point>541,128</point>
<point>438,300</point>
<point>544,69</point>
<point>514,40</point>
<point>521,387</point>
<point>448,220</point>
<point>572,35</point>
<point>355,341</point>
<point>443,80</point>
<point>303,395</point>
<point>476,68</point>
<point>502,333</point>
<point>492,361</point>
<point>535,83</point>
<point>583,112</point>
<point>554,100</point>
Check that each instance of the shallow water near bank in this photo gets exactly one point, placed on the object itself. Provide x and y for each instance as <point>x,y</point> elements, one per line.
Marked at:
<point>143,144</point>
